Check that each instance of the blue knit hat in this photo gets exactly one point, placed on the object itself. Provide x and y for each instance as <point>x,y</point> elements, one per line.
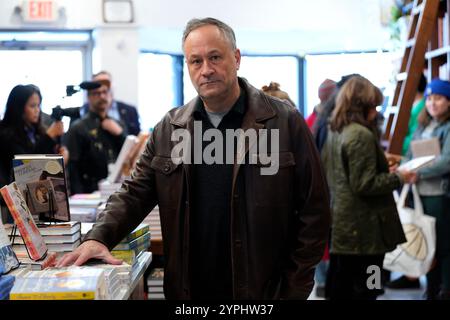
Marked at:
<point>438,86</point>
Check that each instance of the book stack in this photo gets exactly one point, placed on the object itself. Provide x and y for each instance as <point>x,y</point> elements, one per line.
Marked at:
<point>106,188</point>
<point>155,283</point>
<point>61,238</point>
<point>132,245</point>
<point>85,207</point>
<point>72,283</point>
<point>117,277</point>
<point>154,222</point>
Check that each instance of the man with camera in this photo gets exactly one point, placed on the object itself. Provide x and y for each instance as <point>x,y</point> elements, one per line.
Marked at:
<point>93,141</point>
<point>123,113</point>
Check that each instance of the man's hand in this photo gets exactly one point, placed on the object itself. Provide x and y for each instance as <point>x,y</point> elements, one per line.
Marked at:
<point>88,250</point>
<point>112,127</point>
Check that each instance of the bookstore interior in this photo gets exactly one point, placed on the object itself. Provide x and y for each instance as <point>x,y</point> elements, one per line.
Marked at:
<point>77,57</point>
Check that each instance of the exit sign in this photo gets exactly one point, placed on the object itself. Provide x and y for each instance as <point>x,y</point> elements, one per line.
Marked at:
<point>40,11</point>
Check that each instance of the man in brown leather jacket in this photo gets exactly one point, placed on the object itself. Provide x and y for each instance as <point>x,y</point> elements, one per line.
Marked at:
<point>239,229</point>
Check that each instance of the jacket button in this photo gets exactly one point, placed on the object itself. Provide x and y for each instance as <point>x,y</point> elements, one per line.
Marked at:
<point>166,168</point>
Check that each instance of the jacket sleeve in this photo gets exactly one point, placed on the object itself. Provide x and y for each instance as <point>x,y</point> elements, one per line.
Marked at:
<point>131,204</point>
<point>312,214</point>
<point>363,173</point>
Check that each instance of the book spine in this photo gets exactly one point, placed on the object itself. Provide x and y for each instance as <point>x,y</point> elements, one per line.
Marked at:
<point>141,241</point>
<point>20,224</point>
<point>137,233</point>
<point>81,295</point>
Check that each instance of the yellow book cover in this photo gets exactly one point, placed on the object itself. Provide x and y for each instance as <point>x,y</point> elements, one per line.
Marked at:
<point>73,283</point>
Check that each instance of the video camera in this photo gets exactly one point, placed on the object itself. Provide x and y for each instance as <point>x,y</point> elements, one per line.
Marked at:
<point>58,113</point>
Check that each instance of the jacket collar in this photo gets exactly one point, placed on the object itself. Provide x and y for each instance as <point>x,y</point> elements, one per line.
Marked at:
<point>258,107</point>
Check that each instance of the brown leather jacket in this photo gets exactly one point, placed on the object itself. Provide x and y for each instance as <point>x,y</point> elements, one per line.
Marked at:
<point>279,227</point>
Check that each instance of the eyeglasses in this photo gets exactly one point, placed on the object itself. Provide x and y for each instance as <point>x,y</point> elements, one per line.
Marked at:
<point>98,93</point>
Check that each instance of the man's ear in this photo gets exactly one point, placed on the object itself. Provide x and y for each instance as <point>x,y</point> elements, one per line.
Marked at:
<point>237,56</point>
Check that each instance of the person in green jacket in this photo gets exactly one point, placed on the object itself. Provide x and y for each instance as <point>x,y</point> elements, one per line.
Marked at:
<point>365,222</point>
<point>419,104</point>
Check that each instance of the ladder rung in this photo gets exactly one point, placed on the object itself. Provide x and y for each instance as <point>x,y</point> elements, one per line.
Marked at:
<point>410,43</point>
<point>418,9</point>
<point>401,76</point>
<point>391,110</point>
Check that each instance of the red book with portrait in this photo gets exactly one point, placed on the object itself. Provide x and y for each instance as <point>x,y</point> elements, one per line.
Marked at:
<point>23,219</point>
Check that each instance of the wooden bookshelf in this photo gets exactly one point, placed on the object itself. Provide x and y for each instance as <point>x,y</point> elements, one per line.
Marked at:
<point>438,53</point>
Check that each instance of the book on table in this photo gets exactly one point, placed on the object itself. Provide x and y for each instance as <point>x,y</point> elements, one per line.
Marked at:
<point>72,283</point>
<point>8,259</point>
<point>42,180</point>
<point>34,243</point>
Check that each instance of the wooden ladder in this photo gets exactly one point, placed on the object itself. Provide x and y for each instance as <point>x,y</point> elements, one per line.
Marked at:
<point>423,20</point>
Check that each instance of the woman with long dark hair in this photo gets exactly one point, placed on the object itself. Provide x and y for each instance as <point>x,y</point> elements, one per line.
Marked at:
<point>21,130</point>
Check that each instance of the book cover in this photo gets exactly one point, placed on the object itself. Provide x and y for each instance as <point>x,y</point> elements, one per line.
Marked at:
<point>73,283</point>
<point>22,217</point>
<point>135,153</point>
<point>41,197</point>
<point>417,163</point>
<point>8,259</point>
<point>425,147</point>
<point>127,147</point>
<point>32,168</point>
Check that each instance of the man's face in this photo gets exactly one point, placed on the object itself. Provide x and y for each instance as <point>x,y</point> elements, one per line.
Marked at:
<point>100,99</point>
<point>212,63</point>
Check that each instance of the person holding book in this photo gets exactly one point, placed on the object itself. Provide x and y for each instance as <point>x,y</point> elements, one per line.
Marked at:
<point>230,229</point>
<point>22,132</point>
<point>94,142</point>
<point>365,224</point>
<point>433,182</point>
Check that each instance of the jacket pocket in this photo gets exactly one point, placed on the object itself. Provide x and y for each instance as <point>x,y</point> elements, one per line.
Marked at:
<point>164,165</point>
<point>168,176</point>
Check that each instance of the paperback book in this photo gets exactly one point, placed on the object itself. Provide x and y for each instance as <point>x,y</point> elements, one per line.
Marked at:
<point>34,242</point>
<point>42,180</point>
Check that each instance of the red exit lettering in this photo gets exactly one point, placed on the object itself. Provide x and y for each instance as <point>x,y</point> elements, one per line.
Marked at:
<point>40,10</point>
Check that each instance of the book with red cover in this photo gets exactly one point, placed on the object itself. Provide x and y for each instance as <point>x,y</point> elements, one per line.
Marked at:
<point>23,219</point>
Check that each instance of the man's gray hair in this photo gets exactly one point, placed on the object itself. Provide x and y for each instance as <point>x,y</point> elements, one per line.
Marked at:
<point>225,29</point>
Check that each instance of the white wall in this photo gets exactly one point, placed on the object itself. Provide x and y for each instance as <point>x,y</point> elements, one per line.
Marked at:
<point>267,26</point>
<point>261,26</point>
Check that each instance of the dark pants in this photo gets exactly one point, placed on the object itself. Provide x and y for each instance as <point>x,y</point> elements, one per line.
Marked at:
<point>438,278</point>
<point>348,280</point>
